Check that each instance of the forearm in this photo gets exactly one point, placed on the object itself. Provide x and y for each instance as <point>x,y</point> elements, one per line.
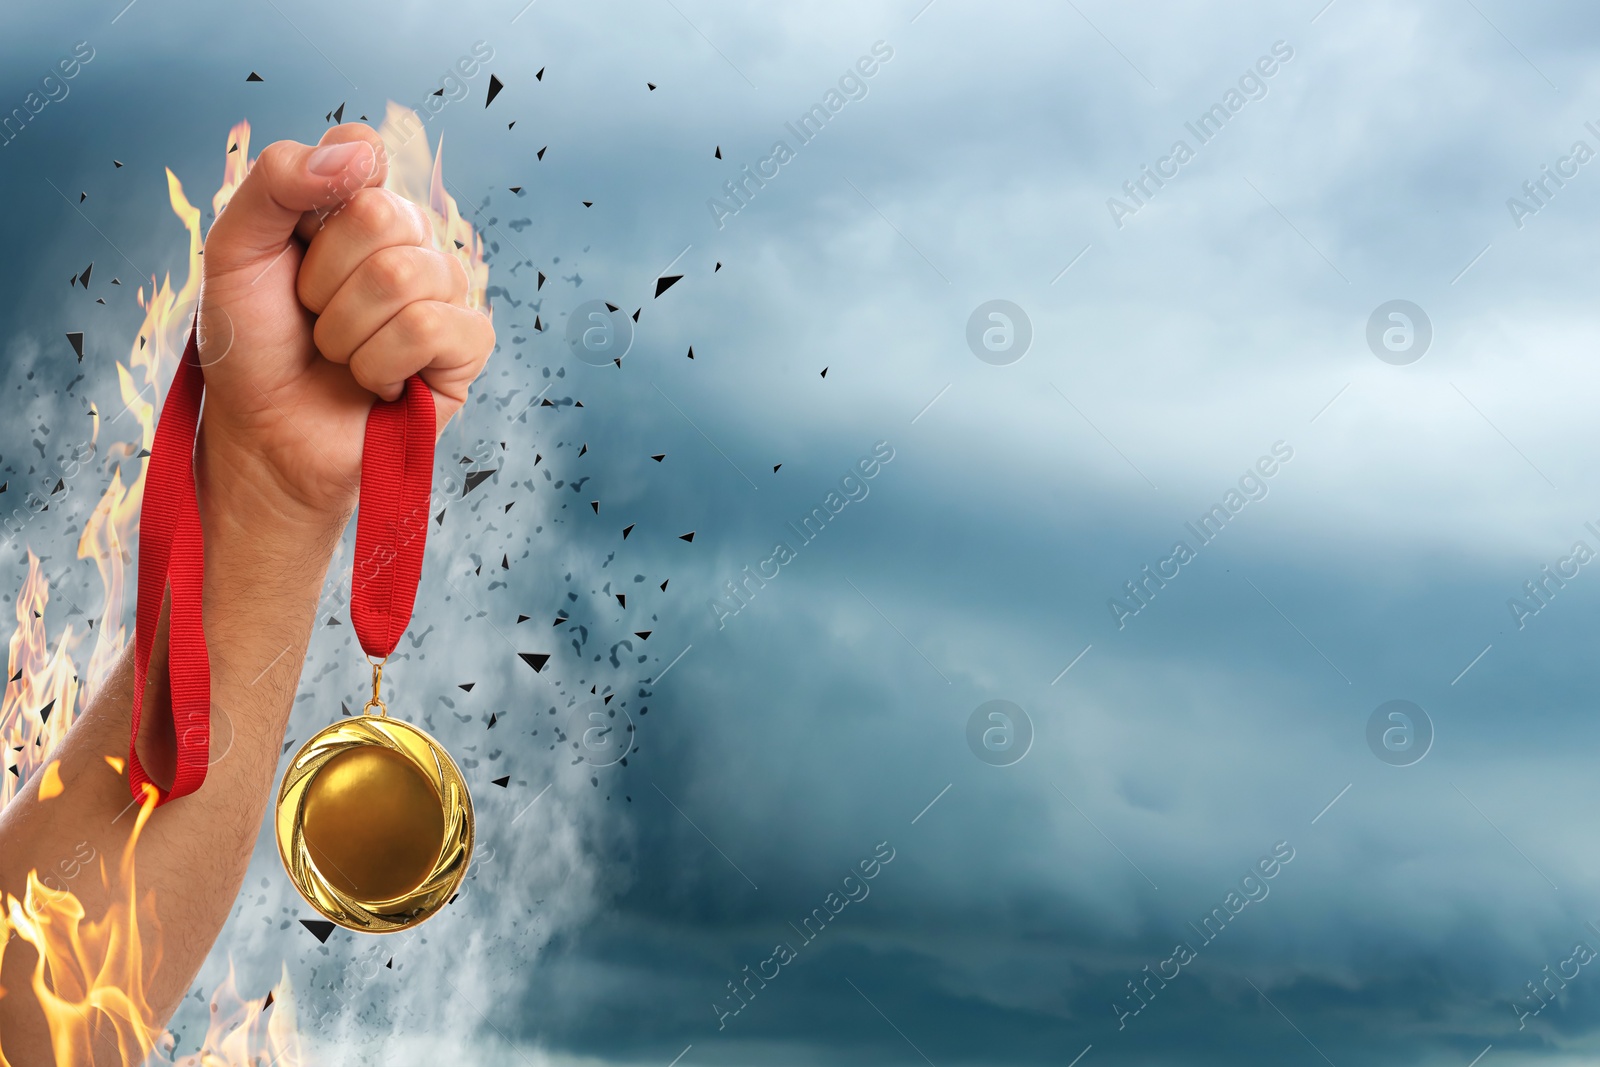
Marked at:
<point>263,573</point>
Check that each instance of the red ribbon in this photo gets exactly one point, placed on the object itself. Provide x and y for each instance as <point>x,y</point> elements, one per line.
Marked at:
<point>391,533</point>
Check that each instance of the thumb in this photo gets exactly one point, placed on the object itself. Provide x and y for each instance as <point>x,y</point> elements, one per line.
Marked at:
<point>289,182</point>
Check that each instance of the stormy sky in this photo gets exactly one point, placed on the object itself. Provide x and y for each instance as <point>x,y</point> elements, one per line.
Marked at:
<point>1415,540</point>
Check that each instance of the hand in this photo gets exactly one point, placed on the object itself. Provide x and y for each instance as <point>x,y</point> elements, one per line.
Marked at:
<point>321,292</point>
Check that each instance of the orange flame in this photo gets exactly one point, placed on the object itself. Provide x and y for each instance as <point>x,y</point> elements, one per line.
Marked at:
<point>89,973</point>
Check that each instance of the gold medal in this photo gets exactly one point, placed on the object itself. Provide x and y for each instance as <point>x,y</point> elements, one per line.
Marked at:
<point>374,821</point>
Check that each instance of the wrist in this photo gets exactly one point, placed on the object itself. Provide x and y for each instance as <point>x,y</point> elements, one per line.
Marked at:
<point>246,508</point>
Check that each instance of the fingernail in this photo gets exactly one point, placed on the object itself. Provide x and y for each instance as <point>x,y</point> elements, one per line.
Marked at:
<point>333,158</point>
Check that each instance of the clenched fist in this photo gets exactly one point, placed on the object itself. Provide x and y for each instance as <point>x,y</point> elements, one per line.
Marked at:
<point>321,292</point>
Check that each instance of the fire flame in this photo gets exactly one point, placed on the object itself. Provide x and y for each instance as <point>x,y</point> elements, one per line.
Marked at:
<point>89,973</point>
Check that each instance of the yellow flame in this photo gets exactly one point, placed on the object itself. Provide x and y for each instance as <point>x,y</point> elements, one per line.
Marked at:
<point>89,976</point>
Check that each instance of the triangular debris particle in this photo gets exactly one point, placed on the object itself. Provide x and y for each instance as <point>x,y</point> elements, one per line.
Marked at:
<point>475,479</point>
<point>501,782</point>
<point>824,372</point>
<point>691,351</point>
<point>536,660</point>
<point>320,928</point>
<point>254,77</point>
<point>75,338</point>
<point>628,529</point>
<point>495,85</point>
<point>596,505</point>
<point>652,86</point>
<point>663,284</point>
<point>718,152</point>
<point>643,635</point>
<point>775,468</point>
<point>689,537</point>
<point>466,687</point>
<point>539,77</point>
<point>659,456</point>
<point>540,153</point>
<point>523,618</point>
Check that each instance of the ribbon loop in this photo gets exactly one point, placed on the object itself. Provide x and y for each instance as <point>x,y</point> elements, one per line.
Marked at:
<point>172,555</point>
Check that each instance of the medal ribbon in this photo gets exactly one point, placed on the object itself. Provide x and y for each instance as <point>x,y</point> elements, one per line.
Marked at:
<point>391,533</point>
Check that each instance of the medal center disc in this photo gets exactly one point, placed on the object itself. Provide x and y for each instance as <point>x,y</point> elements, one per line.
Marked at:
<point>372,823</point>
